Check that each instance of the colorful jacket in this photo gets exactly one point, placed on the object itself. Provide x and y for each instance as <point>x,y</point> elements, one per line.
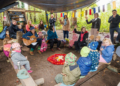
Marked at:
<point>51,35</point>
<point>107,53</point>
<point>72,74</point>
<point>84,65</point>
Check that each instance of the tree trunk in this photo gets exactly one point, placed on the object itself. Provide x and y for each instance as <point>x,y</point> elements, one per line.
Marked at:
<point>30,13</point>
<point>34,15</point>
<point>47,20</point>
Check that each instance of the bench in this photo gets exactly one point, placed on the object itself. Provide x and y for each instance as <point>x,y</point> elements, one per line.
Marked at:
<point>29,81</point>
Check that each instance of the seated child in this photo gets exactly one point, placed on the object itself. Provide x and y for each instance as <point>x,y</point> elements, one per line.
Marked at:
<point>16,56</point>
<point>94,55</point>
<point>70,72</point>
<point>84,61</point>
<point>107,51</point>
<point>90,39</point>
<point>43,45</point>
<point>99,42</point>
<point>20,28</point>
<point>74,38</point>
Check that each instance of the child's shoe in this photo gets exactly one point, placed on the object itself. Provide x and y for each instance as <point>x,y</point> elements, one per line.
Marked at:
<point>39,52</point>
<point>31,53</point>
<point>30,71</point>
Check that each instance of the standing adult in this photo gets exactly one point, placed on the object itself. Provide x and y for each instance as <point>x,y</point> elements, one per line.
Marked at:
<point>13,29</point>
<point>52,21</point>
<point>28,25</point>
<point>66,26</point>
<point>96,22</point>
<point>114,25</point>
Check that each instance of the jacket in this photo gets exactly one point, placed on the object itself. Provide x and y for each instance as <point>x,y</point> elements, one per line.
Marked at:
<point>72,74</point>
<point>52,21</point>
<point>107,53</point>
<point>13,30</point>
<point>95,23</point>
<point>84,37</point>
<point>51,35</point>
<point>114,22</point>
<point>84,65</point>
<point>67,26</point>
<point>17,57</point>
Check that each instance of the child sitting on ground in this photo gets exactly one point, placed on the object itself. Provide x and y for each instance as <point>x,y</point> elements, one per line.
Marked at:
<point>90,39</point>
<point>94,55</point>
<point>84,61</point>
<point>74,38</point>
<point>99,42</point>
<point>70,73</point>
<point>20,28</point>
<point>107,51</point>
<point>16,56</point>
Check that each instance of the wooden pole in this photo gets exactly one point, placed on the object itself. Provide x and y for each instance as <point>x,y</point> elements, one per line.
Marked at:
<point>47,22</point>
<point>34,16</point>
<point>74,19</point>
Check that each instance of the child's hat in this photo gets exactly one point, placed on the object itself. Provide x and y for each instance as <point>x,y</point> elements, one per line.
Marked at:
<point>84,51</point>
<point>15,45</point>
<point>93,45</point>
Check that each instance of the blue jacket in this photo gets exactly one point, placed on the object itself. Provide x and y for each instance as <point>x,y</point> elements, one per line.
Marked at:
<point>29,34</point>
<point>84,65</point>
<point>107,53</point>
<point>51,35</point>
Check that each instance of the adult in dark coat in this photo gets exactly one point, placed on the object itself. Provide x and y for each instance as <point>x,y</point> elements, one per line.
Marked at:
<point>52,21</point>
<point>83,35</point>
<point>13,29</point>
<point>114,25</point>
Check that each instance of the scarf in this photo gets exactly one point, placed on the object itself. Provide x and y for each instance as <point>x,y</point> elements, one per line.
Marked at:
<point>82,35</point>
<point>65,22</point>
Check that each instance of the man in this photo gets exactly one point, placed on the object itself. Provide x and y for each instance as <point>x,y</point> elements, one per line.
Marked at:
<point>114,25</point>
<point>13,29</point>
<point>52,21</point>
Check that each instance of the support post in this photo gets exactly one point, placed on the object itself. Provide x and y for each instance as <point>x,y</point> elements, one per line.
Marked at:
<point>47,20</point>
<point>74,19</point>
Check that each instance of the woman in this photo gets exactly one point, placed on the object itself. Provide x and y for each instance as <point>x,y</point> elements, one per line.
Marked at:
<point>83,36</point>
<point>28,25</point>
<point>66,26</point>
<point>53,38</point>
<point>96,22</point>
<point>41,25</point>
<point>32,46</point>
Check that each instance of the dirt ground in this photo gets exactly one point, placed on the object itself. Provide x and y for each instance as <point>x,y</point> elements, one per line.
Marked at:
<point>44,69</point>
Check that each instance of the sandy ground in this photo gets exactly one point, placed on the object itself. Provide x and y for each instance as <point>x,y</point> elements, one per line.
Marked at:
<point>44,69</point>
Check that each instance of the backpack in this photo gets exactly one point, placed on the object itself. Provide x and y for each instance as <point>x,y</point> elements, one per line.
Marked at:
<point>3,33</point>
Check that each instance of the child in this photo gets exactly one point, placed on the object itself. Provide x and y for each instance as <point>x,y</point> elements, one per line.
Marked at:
<point>99,42</point>
<point>70,73</point>
<point>84,61</point>
<point>107,51</point>
<point>20,28</point>
<point>16,56</point>
<point>94,55</point>
<point>74,38</point>
<point>43,45</point>
<point>91,39</point>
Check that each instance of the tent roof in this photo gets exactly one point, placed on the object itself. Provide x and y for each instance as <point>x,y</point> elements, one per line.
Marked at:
<point>52,5</point>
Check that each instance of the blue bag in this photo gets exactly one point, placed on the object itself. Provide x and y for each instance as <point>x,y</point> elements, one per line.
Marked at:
<point>3,33</point>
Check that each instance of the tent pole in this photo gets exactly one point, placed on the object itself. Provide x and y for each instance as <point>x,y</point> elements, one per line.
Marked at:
<point>47,20</point>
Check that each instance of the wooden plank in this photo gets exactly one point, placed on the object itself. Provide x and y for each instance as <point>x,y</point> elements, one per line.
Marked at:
<point>32,11</point>
<point>25,82</point>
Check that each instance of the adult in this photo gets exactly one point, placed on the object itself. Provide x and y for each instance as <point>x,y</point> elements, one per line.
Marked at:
<point>32,46</point>
<point>41,25</point>
<point>28,25</point>
<point>13,29</point>
<point>96,22</point>
<point>66,26</point>
<point>52,21</point>
<point>114,25</point>
<point>83,36</point>
<point>53,38</point>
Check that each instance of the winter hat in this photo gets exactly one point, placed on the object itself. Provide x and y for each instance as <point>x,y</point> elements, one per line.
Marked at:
<point>85,51</point>
<point>15,45</point>
<point>70,58</point>
<point>22,74</point>
<point>31,28</point>
<point>118,51</point>
<point>93,45</point>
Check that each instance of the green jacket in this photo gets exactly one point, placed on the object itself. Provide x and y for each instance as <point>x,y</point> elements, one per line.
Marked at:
<point>71,76</point>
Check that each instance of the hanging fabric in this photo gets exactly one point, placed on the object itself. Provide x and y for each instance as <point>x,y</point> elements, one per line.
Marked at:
<point>86,12</point>
<point>94,10</point>
<point>108,6</point>
<point>73,15</point>
<point>90,12</point>
<point>76,15</point>
<point>65,13</point>
<point>79,14</point>
<point>61,15</point>
<point>82,13</point>
<point>114,4</point>
<point>99,9</point>
<point>103,8</point>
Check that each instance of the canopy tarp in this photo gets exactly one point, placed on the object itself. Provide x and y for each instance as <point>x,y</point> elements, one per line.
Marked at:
<point>52,5</point>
